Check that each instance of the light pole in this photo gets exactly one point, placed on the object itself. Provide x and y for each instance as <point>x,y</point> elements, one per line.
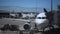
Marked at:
<point>36,7</point>
<point>51,5</point>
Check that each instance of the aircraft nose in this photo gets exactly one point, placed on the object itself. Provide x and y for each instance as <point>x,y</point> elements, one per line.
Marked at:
<point>40,21</point>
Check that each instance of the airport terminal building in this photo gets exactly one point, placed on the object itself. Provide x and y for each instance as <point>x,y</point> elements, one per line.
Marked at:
<point>8,14</point>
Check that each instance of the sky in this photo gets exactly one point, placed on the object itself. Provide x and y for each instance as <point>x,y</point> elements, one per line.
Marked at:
<point>31,3</point>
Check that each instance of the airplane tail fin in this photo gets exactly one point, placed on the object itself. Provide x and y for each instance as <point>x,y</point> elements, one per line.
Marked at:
<point>45,10</point>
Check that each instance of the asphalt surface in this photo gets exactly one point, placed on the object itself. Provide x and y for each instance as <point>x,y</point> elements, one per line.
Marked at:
<point>19,22</point>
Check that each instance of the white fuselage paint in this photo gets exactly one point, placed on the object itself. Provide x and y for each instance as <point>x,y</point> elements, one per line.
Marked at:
<point>41,20</point>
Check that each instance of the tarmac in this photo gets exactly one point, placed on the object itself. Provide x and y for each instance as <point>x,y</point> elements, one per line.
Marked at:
<point>19,22</point>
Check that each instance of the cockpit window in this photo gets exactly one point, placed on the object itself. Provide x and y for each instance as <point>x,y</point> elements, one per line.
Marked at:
<point>39,17</point>
<point>42,18</point>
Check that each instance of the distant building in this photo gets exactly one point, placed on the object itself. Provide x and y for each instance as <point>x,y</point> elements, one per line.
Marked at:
<point>28,14</point>
<point>8,14</point>
<point>5,14</point>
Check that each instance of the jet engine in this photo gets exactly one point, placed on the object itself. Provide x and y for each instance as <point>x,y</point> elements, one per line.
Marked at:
<point>27,26</point>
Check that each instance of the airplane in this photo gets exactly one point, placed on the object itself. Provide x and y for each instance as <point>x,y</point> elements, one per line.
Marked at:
<point>14,15</point>
<point>44,19</point>
<point>41,21</point>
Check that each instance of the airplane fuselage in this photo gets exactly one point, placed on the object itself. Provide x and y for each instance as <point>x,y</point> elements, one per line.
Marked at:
<point>41,20</point>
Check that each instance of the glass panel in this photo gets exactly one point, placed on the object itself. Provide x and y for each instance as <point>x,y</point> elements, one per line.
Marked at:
<point>39,18</point>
